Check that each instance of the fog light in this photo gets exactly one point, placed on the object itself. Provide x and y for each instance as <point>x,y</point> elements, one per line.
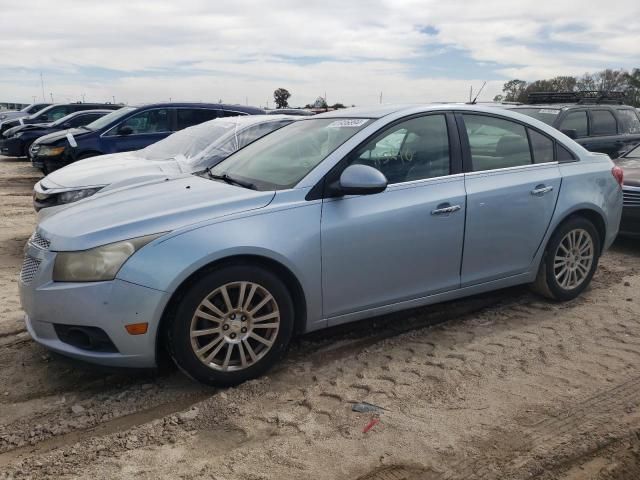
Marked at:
<point>137,328</point>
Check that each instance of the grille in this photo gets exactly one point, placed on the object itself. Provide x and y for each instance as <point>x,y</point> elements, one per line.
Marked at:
<point>30,267</point>
<point>39,241</point>
<point>631,198</point>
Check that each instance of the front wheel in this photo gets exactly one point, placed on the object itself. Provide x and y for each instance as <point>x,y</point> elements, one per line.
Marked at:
<point>232,325</point>
<point>570,260</point>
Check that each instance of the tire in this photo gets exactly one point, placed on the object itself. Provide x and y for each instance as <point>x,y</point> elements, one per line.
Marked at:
<point>560,256</point>
<point>236,328</point>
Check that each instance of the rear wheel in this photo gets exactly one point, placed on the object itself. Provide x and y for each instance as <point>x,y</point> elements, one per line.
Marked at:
<point>570,260</point>
<point>232,325</point>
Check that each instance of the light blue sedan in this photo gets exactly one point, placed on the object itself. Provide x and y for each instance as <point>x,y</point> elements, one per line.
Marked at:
<point>328,220</point>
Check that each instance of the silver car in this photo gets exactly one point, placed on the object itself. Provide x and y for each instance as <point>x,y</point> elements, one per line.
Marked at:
<point>187,151</point>
<point>328,220</point>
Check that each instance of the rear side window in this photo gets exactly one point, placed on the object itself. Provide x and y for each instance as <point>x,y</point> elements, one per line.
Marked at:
<point>541,146</point>
<point>603,123</point>
<point>496,143</point>
<point>56,113</point>
<point>564,155</point>
<point>629,122</point>
<point>576,121</point>
<point>187,117</point>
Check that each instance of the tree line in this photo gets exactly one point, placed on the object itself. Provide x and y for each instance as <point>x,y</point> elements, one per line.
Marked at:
<point>606,80</point>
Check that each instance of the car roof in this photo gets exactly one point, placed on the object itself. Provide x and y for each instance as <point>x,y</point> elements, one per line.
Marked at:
<point>224,106</point>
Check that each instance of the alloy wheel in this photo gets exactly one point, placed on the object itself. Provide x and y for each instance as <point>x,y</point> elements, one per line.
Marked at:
<point>234,326</point>
<point>573,259</point>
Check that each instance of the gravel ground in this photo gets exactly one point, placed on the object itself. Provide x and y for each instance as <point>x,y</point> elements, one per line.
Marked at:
<point>502,386</point>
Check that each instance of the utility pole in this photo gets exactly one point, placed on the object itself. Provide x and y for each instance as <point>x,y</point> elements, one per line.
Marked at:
<point>42,85</point>
<point>34,99</point>
<point>114,99</point>
<point>380,98</point>
<point>51,93</point>
<point>83,98</point>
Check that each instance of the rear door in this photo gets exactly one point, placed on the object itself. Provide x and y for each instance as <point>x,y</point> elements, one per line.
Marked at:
<point>187,117</point>
<point>512,185</point>
<point>138,131</point>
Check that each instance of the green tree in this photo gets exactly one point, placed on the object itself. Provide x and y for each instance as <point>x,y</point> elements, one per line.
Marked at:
<point>281,97</point>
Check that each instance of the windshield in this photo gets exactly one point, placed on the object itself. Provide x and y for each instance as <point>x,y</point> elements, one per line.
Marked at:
<point>546,115</point>
<point>110,117</point>
<point>634,153</point>
<point>280,160</point>
<point>188,142</point>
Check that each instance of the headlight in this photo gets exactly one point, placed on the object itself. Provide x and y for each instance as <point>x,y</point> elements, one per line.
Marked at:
<point>98,264</point>
<point>75,195</point>
<point>46,151</point>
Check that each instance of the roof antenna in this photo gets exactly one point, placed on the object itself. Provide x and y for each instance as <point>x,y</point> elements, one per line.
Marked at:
<point>473,102</point>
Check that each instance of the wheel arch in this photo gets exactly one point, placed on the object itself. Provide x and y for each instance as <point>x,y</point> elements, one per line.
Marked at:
<point>285,274</point>
<point>594,216</point>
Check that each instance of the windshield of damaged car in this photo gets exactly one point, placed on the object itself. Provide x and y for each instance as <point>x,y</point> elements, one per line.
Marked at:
<point>188,142</point>
<point>283,158</point>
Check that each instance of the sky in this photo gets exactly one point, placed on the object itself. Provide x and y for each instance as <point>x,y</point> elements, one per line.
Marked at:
<point>352,51</point>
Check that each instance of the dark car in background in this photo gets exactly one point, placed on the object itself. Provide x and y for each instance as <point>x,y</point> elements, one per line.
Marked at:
<point>25,112</point>
<point>17,140</point>
<point>599,121</point>
<point>291,111</point>
<point>55,112</point>
<point>127,129</point>
<point>630,164</point>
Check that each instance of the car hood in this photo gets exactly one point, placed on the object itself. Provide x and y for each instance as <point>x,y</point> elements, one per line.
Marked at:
<point>55,136</point>
<point>113,169</point>
<point>146,209</point>
<point>631,168</point>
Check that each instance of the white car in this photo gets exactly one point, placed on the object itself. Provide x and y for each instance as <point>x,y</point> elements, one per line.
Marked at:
<point>191,150</point>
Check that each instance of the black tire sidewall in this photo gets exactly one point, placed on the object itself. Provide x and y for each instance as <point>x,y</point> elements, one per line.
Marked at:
<point>178,335</point>
<point>554,287</point>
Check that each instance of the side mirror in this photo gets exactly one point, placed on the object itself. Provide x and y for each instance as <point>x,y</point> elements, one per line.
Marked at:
<point>125,130</point>
<point>360,180</point>
<point>570,132</point>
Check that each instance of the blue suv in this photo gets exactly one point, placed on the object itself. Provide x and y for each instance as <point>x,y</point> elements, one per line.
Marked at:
<point>126,129</point>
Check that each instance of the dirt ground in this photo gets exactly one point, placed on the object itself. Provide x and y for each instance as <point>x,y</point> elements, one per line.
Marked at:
<point>503,386</point>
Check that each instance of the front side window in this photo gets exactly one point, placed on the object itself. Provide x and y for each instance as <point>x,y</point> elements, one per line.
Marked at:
<point>55,113</point>
<point>150,121</point>
<point>603,123</point>
<point>629,122</point>
<point>411,150</point>
<point>283,158</point>
<point>188,117</point>
<point>109,118</point>
<point>496,143</point>
<point>576,121</point>
<point>541,146</point>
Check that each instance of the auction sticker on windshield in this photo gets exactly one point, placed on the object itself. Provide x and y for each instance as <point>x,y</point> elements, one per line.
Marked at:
<point>348,122</point>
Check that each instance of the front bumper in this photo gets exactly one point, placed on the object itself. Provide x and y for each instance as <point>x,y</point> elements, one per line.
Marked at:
<point>108,306</point>
<point>12,147</point>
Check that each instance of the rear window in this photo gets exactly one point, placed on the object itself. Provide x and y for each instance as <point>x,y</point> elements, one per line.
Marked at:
<point>546,115</point>
<point>629,122</point>
<point>603,123</point>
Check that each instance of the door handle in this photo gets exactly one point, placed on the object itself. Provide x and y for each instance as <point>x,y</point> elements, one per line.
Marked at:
<point>541,190</point>
<point>445,209</point>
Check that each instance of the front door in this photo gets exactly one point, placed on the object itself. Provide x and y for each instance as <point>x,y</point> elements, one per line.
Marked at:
<point>405,242</point>
<point>511,196</point>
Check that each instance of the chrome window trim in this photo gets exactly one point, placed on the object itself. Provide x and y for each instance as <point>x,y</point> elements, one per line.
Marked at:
<point>516,168</point>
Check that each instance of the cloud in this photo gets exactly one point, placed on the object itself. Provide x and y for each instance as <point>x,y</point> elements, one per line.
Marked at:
<point>411,50</point>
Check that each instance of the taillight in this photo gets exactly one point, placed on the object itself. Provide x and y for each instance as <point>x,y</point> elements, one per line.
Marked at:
<point>618,174</point>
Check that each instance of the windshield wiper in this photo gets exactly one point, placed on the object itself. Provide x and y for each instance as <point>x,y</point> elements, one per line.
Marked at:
<point>232,181</point>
